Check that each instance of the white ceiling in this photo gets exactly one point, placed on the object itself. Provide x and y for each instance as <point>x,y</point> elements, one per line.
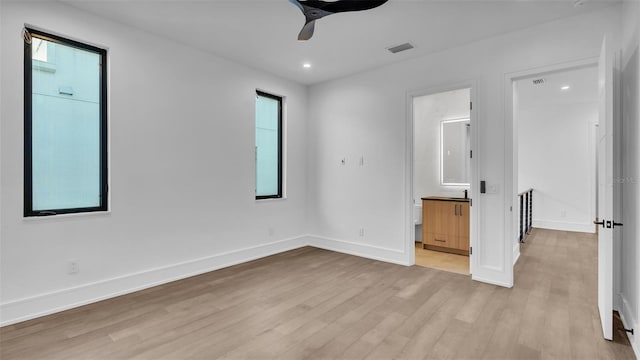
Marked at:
<point>582,82</point>
<point>263,33</point>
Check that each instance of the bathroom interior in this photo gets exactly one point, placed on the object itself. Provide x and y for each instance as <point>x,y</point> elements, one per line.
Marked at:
<point>442,172</point>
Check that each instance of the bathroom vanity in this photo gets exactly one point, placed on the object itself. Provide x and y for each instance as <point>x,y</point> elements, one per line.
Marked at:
<point>445,224</point>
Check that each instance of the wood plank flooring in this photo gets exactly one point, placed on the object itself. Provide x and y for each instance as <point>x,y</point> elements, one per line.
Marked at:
<point>316,304</point>
<point>441,260</point>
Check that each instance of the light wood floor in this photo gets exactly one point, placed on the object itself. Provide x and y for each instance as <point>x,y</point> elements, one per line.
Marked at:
<point>317,304</point>
<point>442,260</point>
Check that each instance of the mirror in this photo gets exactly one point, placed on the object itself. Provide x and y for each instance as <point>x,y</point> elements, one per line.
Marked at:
<point>455,143</point>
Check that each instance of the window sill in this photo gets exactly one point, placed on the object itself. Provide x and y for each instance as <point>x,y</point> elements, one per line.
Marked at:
<point>271,199</point>
<point>66,216</point>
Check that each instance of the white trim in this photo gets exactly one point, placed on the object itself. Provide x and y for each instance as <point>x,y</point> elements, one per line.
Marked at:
<point>564,226</point>
<point>48,303</point>
<point>516,253</point>
<point>394,256</point>
<point>493,282</point>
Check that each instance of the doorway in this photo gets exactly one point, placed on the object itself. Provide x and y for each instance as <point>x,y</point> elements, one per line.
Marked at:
<point>555,117</point>
<point>604,168</point>
<point>442,140</point>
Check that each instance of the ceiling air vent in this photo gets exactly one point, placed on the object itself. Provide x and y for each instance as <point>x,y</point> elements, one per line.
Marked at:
<point>401,47</point>
<point>538,81</point>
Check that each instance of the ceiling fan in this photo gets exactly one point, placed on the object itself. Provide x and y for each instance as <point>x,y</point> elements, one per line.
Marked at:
<point>317,9</point>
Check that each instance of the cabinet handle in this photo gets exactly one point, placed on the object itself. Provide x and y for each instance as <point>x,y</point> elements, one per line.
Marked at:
<point>440,240</point>
<point>455,211</point>
<point>460,210</point>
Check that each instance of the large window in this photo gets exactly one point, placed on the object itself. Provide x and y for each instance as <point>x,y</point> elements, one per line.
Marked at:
<point>268,146</point>
<point>65,126</point>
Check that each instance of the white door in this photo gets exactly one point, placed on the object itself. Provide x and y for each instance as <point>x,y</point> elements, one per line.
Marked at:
<point>605,191</point>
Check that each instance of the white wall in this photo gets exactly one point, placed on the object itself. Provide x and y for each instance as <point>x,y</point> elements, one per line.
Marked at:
<point>365,114</point>
<point>556,154</point>
<point>428,113</point>
<point>181,166</point>
<point>630,272</point>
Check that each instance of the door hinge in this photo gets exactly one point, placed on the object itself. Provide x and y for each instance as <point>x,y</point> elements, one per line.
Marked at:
<point>471,105</point>
<point>471,154</point>
<point>470,250</point>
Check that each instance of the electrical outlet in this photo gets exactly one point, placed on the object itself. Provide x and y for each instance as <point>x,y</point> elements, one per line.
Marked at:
<point>563,214</point>
<point>492,189</point>
<point>361,233</point>
<point>73,267</point>
<point>362,160</point>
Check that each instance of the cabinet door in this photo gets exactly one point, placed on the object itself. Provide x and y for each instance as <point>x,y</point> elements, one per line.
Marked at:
<point>453,216</point>
<point>437,217</point>
<point>462,231</point>
<point>439,223</point>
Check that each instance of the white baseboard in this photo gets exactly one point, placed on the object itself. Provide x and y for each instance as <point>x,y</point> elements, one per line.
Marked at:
<point>564,226</point>
<point>362,250</point>
<point>491,281</point>
<point>628,321</point>
<point>516,253</point>
<point>44,304</point>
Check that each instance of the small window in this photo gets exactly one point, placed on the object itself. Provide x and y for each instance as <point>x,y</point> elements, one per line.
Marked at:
<point>268,146</point>
<point>65,126</point>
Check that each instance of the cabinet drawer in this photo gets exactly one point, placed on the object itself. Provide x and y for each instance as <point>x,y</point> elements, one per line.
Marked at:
<point>437,240</point>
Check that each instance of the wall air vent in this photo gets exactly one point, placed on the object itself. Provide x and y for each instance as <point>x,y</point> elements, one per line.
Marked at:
<point>538,81</point>
<point>398,48</point>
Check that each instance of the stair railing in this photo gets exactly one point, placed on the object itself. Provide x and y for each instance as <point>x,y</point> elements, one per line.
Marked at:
<point>526,214</point>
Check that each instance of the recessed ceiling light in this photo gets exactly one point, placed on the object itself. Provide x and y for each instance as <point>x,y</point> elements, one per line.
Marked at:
<point>566,87</point>
<point>306,65</point>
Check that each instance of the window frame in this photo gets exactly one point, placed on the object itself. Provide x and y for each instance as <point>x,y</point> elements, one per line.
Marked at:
<point>280,101</point>
<point>28,120</point>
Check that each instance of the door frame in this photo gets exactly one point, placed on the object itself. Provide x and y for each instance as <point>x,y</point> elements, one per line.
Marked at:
<point>410,161</point>
<point>511,149</point>
<point>511,158</point>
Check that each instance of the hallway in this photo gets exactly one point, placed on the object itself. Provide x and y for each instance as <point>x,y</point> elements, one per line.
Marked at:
<point>558,272</point>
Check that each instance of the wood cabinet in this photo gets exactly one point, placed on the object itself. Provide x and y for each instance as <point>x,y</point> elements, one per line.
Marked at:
<point>445,225</point>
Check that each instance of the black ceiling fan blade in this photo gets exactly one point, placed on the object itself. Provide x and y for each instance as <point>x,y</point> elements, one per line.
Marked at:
<point>307,30</point>
<point>343,5</point>
<point>317,9</point>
